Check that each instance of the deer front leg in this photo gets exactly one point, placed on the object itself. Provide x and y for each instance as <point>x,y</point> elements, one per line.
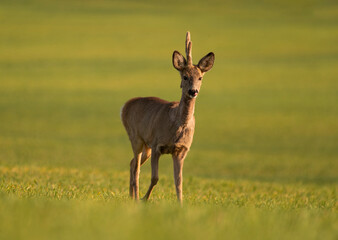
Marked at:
<point>178,160</point>
<point>154,172</point>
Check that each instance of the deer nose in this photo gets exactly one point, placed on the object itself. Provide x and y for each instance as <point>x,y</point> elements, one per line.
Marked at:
<point>193,92</point>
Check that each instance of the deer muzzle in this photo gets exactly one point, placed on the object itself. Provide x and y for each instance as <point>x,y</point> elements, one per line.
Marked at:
<point>193,93</point>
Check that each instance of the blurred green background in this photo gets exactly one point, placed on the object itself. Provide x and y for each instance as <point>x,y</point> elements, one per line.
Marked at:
<point>267,110</point>
<point>263,164</point>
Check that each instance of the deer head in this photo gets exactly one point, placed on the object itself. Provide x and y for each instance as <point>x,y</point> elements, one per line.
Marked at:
<point>191,75</point>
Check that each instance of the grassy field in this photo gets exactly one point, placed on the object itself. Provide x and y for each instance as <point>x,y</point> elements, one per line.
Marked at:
<point>263,164</point>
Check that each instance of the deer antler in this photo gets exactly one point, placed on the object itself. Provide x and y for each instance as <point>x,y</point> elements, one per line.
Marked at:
<point>188,45</point>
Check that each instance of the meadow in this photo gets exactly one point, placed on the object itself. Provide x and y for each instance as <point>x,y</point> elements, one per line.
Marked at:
<point>263,164</point>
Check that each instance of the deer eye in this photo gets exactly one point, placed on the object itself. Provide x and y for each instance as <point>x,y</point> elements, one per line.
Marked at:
<point>200,78</point>
<point>185,77</point>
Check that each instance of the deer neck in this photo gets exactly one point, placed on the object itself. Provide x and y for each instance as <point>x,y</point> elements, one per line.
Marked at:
<point>186,109</point>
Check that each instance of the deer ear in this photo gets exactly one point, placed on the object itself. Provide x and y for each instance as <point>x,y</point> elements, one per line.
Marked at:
<point>206,63</point>
<point>179,61</point>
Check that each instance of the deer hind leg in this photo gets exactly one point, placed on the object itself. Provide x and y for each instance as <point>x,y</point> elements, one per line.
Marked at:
<point>146,153</point>
<point>135,165</point>
<point>154,173</point>
<point>132,175</point>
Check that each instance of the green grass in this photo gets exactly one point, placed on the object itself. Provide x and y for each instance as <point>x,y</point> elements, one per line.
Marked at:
<point>70,203</point>
<point>263,164</point>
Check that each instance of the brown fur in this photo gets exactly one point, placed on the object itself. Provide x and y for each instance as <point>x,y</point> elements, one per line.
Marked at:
<point>156,126</point>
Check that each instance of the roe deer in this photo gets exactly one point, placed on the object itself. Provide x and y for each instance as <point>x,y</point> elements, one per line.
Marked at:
<point>156,127</point>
